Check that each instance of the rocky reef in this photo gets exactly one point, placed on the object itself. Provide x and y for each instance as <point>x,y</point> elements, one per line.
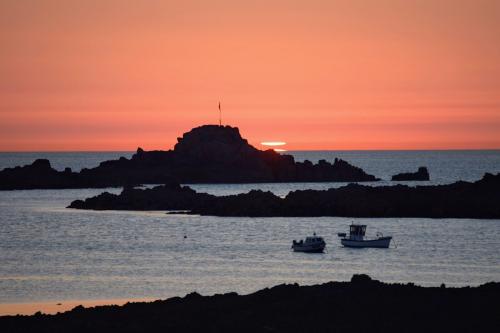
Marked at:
<point>39,174</point>
<point>361,305</point>
<point>170,196</point>
<point>422,174</point>
<point>206,154</point>
<point>458,200</point>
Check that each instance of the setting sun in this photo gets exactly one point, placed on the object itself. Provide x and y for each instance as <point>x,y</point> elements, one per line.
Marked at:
<point>273,143</point>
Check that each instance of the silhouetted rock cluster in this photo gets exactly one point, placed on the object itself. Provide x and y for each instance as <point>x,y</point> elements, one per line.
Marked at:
<point>422,174</point>
<point>206,154</point>
<point>166,197</point>
<point>39,174</point>
<point>460,200</point>
<point>362,305</point>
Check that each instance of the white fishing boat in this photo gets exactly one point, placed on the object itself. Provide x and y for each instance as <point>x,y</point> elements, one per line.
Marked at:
<point>312,244</point>
<point>357,238</point>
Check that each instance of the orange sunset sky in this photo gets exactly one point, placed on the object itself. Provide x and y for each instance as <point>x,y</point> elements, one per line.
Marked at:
<point>115,75</point>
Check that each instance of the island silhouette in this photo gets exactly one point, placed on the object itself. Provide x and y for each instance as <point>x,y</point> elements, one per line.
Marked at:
<point>458,200</point>
<point>422,174</point>
<point>205,154</point>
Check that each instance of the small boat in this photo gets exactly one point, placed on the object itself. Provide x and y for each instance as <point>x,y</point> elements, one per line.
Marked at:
<point>356,238</point>
<point>312,244</point>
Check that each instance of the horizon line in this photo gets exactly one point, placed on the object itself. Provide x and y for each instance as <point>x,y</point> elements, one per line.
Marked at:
<point>290,150</point>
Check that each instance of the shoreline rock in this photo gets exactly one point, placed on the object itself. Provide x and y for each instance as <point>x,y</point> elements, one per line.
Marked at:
<point>458,200</point>
<point>205,154</point>
<point>361,305</point>
<point>422,174</point>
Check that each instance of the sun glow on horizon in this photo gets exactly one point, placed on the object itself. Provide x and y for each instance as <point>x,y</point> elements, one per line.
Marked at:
<point>273,143</point>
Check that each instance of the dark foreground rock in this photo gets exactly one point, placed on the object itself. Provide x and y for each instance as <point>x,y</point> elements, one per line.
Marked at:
<point>362,305</point>
<point>206,154</point>
<point>458,200</point>
<point>422,174</point>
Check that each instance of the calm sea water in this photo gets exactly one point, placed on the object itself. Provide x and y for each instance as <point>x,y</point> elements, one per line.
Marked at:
<point>50,253</point>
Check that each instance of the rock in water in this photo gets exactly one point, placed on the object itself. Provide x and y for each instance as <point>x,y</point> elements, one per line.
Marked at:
<point>205,154</point>
<point>421,175</point>
<point>219,154</point>
<point>39,174</point>
<point>458,200</point>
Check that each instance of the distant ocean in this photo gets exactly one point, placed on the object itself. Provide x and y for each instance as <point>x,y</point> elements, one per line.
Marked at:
<point>50,253</point>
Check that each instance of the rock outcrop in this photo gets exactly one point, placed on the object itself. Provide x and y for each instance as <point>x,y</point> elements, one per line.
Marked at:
<point>362,305</point>
<point>458,200</point>
<point>166,197</point>
<point>206,154</point>
<point>39,174</point>
<point>422,174</point>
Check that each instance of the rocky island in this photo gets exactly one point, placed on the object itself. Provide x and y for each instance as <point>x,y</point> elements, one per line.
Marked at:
<point>458,200</point>
<point>422,174</point>
<point>361,305</point>
<point>206,154</point>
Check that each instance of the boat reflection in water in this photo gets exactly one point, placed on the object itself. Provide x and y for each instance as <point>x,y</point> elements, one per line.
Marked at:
<point>356,238</point>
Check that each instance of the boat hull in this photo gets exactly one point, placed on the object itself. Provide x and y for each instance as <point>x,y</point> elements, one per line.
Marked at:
<point>316,248</point>
<point>382,242</point>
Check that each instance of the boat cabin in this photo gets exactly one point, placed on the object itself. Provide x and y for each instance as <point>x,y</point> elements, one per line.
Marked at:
<point>357,231</point>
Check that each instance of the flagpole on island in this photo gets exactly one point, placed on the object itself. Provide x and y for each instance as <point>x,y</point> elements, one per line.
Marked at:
<point>220,116</point>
